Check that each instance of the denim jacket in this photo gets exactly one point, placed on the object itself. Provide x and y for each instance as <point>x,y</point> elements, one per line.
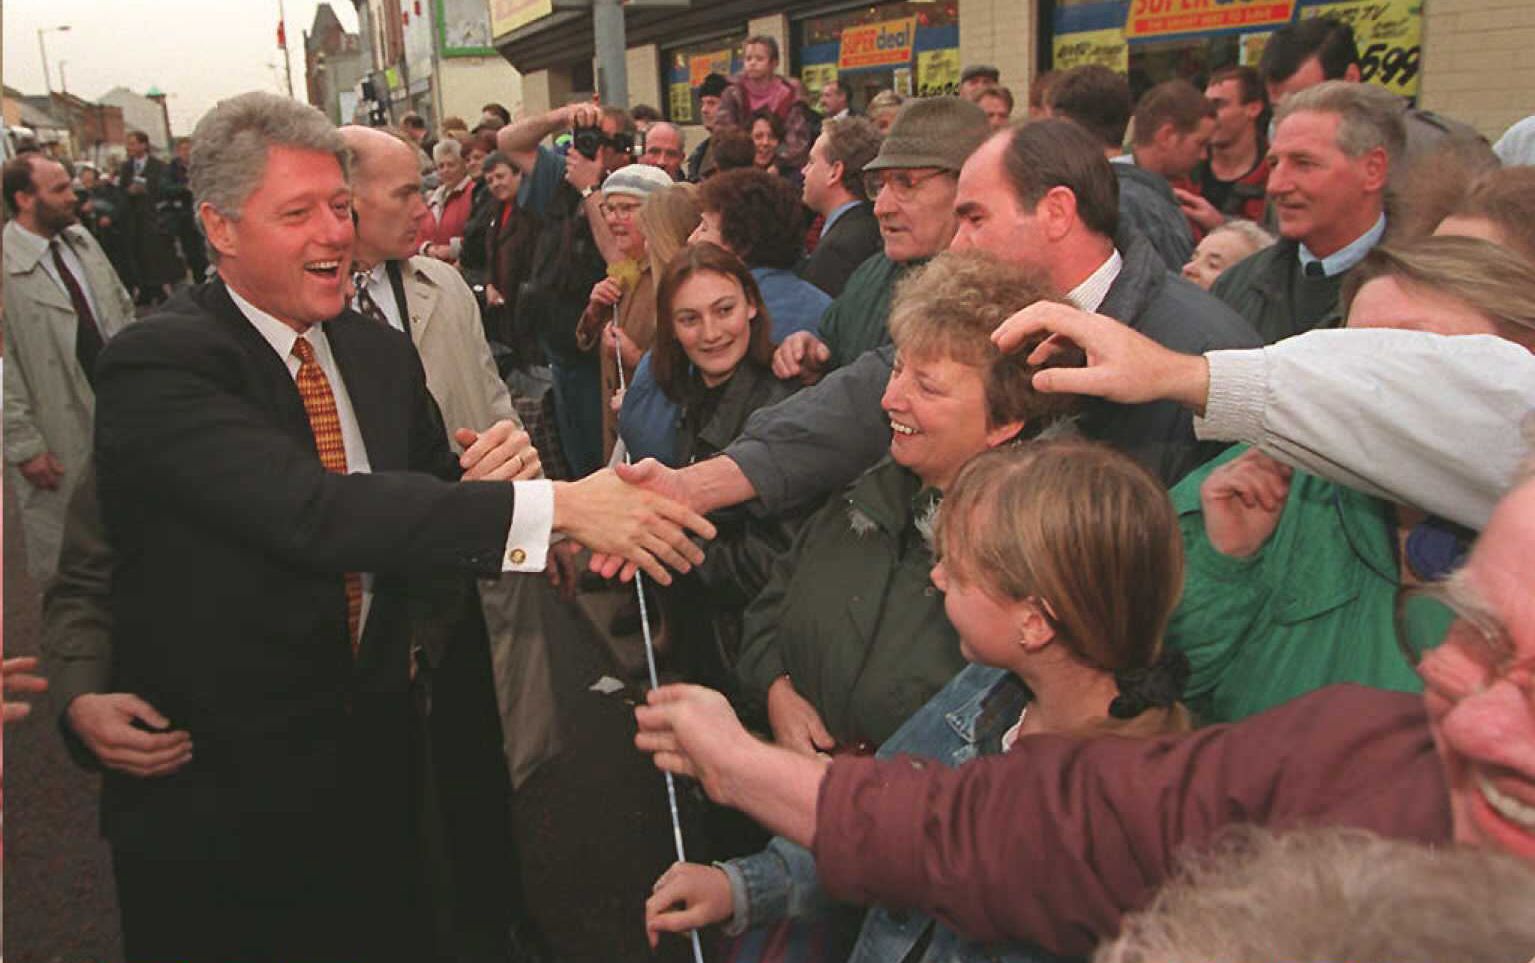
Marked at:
<point>967,718</point>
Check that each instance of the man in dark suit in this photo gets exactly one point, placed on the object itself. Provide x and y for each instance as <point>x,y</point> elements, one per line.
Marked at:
<point>834,189</point>
<point>277,483</point>
<point>143,180</point>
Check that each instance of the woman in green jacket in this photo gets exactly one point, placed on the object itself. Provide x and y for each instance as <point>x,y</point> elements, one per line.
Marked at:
<point>849,638</point>
<point>1292,581</point>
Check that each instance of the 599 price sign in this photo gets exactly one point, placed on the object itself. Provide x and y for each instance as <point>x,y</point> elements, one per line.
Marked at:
<point>1389,36</point>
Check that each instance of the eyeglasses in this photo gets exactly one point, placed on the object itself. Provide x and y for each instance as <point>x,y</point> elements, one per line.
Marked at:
<point>619,212</point>
<point>1425,617</point>
<point>903,184</point>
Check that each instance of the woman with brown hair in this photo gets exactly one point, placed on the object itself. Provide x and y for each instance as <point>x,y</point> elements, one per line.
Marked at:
<point>1060,563</point>
<point>712,359</point>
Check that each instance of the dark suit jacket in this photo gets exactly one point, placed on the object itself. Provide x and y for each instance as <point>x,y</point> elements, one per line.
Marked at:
<point>149,245</point>
<point>228,600</point>
<point>851,241</point>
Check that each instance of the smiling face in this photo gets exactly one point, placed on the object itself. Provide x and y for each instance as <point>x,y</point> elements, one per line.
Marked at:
<point>937,412</point>
<point>988,626</point>
<point>503,181</point>
<point>621,211</point>
<point>712,318</point>
<point>292,243</point>
<point>451,170</point>
<point>1323,197</point>
<point>1480,697</point>
<point>765,142</point>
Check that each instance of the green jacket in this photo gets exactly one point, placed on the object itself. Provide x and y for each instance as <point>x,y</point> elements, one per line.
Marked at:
<point>857,320</point>
<point>1314,606</point>
<point>1271,292</point>
<point>850,615</point>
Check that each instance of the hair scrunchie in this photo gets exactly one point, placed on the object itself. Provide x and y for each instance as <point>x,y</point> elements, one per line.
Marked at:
<point>1158,685</point>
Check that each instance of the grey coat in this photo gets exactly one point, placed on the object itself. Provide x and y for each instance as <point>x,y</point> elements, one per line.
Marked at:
<point>49,405</point>
<point>1147,206</point>
<point>823,438</point>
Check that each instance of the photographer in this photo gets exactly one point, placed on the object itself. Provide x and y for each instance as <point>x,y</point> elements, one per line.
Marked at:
<point>571,253</point>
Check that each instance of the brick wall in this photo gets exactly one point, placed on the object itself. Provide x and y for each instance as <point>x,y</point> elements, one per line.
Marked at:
<point>1476,63</point>
<point>1001,33</point>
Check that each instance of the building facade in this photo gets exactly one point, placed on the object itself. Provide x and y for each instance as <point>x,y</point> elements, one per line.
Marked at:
<point>142,112</point>
<point>1455,56</point>
<point>433,58</point>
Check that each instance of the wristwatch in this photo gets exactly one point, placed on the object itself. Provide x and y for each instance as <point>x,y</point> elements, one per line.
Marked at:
<point>588,191</point>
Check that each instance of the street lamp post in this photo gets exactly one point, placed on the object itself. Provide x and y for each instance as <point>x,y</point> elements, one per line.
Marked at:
<point>42,48</point>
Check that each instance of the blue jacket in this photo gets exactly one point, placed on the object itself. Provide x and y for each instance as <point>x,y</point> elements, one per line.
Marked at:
<point>967,718</point>
<point>648,421</point>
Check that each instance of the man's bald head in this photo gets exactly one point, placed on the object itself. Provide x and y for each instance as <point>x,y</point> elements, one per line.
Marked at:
<point>370,145</point>
<point>386,193</point>
<point>663,148</point>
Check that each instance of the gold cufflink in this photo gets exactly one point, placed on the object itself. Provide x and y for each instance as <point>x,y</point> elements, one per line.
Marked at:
<point>517,556</point>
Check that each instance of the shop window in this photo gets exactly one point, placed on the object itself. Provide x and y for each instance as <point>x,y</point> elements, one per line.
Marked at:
<point>911,48</point>
<point>1155,40</point>
<point>686,68</point>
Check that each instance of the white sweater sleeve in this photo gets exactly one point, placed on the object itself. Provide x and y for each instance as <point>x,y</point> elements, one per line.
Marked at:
<point>1416,418</point>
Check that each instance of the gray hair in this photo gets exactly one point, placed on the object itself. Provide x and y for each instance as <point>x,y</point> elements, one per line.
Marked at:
<point>447,147</point>
<point>1369,116</point>
<point>230,144</point>
<point>1334,894</point>
<point>1254,234</point>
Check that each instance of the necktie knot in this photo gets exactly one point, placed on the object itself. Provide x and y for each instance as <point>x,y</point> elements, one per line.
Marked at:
<point>303,350</point>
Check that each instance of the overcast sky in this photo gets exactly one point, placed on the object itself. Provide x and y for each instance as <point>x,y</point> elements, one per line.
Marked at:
<point>197,51</point>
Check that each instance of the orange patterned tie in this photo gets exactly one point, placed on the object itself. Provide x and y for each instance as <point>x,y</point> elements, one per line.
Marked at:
<point>320,406</point>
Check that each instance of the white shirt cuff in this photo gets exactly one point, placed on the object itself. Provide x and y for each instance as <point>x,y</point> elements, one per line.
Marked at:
<point>527,541</point>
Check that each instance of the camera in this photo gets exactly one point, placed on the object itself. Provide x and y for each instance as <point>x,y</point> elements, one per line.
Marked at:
<point>588,140</point>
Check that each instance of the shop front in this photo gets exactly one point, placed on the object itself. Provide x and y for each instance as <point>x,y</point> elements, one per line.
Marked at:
<point>1156,40</point>
<point>911,48</point>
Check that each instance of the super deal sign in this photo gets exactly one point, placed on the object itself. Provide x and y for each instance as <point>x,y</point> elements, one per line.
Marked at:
<point>1158,18</point>
<point>882,44</point>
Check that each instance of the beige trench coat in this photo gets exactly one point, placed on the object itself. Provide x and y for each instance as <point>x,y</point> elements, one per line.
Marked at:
<point>462,376</point>
<point>49,406</point>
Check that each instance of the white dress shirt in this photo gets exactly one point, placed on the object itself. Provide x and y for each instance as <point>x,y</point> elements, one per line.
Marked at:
<point>1089,295</point>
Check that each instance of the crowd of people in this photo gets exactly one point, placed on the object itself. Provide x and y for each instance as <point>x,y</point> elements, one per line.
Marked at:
<point>1102,531</point>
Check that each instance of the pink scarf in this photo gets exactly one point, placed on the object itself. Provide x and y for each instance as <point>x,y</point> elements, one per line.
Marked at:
<point>774,93</point>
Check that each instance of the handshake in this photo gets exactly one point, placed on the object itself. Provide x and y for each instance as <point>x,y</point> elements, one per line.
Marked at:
<point>635,518</point>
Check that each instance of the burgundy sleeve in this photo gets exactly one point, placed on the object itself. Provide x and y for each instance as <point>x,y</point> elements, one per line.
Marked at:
<point>1055,841</point>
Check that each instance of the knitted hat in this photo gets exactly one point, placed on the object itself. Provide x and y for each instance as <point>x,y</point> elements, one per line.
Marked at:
<point>932,132</point>
<point>986,71</point>
<point>636,180</point>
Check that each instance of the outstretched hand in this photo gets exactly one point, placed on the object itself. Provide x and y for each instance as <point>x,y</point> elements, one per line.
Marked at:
<point>1242,502</point>
<point>801,355</point>
<point>686,897</point>
<point>692,731</point>
<point>620,520</point>
<point>654,477</point>
<point>1122,364</point>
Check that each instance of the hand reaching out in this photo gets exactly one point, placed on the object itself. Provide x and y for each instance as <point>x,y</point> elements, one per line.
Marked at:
<point>801,355</point>
<point>20,678</point>
<point>1243,500</point>
<point>502,452</point>
<point>688,896</point>
<point>104,722</point>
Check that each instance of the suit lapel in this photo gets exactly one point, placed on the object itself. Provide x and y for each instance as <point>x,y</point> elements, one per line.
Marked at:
<point>270,373</point>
